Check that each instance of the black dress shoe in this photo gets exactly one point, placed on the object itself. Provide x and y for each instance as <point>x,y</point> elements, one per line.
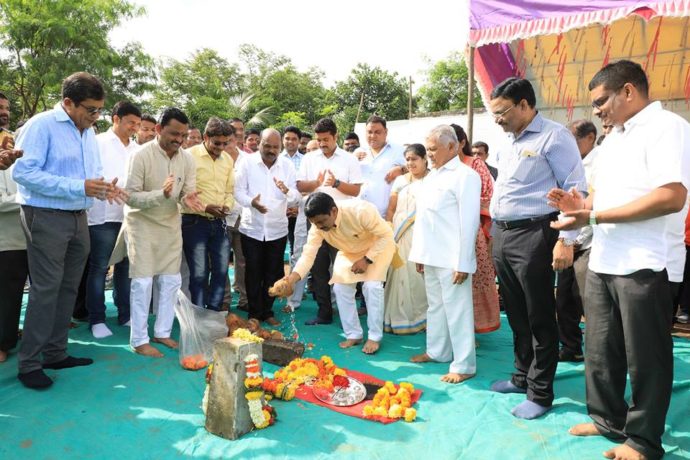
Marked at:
<point>316,321</point>
<point>570,357</point>
<point>35,380</point>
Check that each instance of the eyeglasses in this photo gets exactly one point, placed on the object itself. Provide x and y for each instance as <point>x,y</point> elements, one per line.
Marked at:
<point>92,110</point>
<point>599,103</point>
<point>502,113</point>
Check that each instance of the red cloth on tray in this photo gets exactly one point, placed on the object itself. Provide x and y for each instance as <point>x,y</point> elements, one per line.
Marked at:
<point>305,394</point>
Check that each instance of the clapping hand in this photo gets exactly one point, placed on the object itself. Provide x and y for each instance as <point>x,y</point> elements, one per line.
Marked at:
<point>256,204</point>
<point>115,194</point>
<point>192,201</point>
<point>97,188</point>
<point>168,185</point>
<point>8,157</point>
<point>329,178</point>
<point>216,210</point>
<point>565,201</point>
<point>281,186</point>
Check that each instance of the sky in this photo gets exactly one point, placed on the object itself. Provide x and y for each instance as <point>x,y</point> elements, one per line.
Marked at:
<point>333,35</point>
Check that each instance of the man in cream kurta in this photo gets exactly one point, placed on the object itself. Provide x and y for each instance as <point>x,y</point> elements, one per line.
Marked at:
<point>365,249</point>
<point>443,246</point>
<point>161,175</point>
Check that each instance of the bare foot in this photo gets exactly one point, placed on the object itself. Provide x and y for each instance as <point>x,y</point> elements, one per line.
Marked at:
<point>147,350</point>
<point>584,429</point>
<point>3,356</point>
<point>370,347</point>
<point>624,452</point>
<point>452,377</point>
<point>272,321</point>
<point>349,343</point>
<point>423,358</point>
<point>167,341</point>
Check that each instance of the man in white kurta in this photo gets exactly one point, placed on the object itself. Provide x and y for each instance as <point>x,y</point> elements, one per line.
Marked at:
<point>443,246</point>
<point>365,249</point>
<point>161,175</point>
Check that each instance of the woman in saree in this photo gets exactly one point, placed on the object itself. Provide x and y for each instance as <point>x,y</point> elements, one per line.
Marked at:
<point>484,293</point>
<point>405,294</point>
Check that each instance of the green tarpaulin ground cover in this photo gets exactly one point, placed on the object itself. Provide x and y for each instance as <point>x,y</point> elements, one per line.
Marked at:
<point>126,406</point>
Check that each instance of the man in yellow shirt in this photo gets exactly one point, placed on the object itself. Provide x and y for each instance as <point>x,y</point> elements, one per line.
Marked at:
<point>365,249</point>
<point>203,233</point>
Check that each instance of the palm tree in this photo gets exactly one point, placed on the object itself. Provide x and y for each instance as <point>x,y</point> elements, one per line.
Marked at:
<point>239,107</point>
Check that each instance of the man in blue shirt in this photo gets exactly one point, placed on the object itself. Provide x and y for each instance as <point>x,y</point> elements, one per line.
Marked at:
<point>58,178</point>
<point>539,154</point>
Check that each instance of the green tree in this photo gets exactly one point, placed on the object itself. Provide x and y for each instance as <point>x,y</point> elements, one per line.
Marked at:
<point>380,92</point>
<point>45,41</point>
<point>201,86</point>
<point>446,87</point>
<point>287,90</point>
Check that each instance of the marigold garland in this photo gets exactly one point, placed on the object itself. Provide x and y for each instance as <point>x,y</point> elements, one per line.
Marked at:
<point>261,413</point>
<point>392,402</point>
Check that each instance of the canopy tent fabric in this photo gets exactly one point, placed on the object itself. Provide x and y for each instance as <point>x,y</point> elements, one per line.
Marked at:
<point>560,46</point>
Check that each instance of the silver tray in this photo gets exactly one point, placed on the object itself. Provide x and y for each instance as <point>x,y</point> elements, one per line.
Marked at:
<point>353,394</point>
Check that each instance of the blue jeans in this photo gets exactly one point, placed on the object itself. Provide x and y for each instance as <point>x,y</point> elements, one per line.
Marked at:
<point>204,240</point>
<point>103,238</point>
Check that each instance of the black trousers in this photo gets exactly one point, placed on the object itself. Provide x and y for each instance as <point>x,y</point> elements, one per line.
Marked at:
<point>628,323</point>
<point>263,267</point>
<point>14,269</point>
<point>570,293</point>
<point>321,274</point>
<point>683,297</point>
<point>523,257</point>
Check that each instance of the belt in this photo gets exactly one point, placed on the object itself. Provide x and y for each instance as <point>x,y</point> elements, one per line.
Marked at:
<point>66,211</point>
<point>212,218</point>
<point>510,224</point>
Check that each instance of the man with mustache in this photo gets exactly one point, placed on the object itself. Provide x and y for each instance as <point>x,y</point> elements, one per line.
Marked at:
<point>57,179</point>
<point>265,187</point>
<point>147,129</point>
<point>637,203</point>
<point>161,176</point>
<point>7,153</point>
<point>539,155</point>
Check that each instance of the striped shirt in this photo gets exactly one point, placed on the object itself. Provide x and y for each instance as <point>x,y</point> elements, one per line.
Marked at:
<point>296,158</point>
<point>57,160</point>
<point>541,157</point>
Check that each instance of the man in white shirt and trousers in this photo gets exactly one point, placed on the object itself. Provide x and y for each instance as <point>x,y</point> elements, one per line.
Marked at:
<point>443,246</point>
<point>642,179</point>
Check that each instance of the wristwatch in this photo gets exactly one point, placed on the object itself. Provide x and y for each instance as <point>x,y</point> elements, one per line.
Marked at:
<point>592,218</point>
<point>566,241</point>
<point>336,184</point>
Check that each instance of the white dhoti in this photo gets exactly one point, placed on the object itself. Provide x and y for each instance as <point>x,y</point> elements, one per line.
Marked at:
<point>140,300</point>
<point>450,320</point>
<point>347,309</point>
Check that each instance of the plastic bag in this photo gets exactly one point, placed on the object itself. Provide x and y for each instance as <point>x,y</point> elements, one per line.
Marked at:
<point>199,328</point>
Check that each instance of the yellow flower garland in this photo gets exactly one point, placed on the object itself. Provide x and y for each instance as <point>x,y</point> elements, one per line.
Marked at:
<point>392,402</point>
